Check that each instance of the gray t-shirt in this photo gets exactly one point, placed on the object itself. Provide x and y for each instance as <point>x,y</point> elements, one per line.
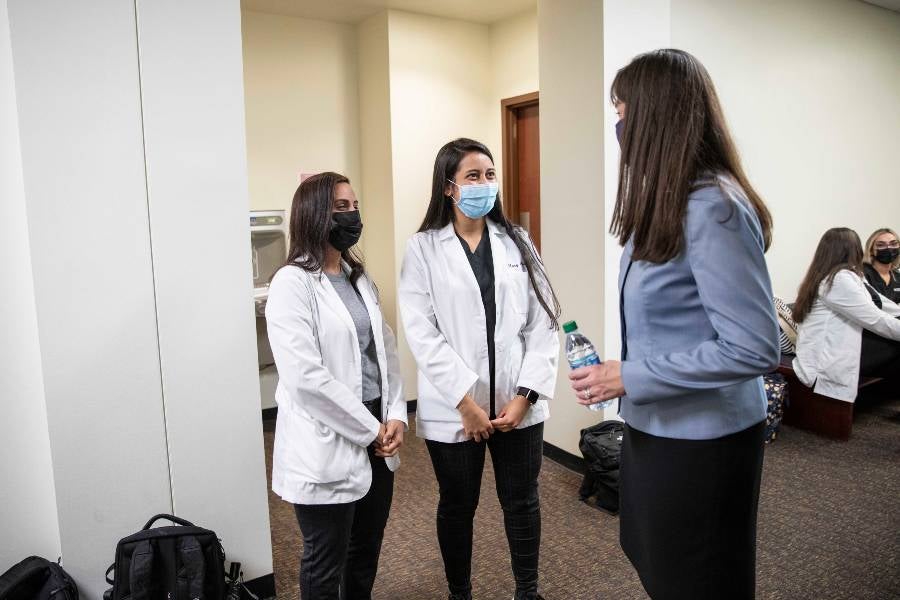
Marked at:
<point>371,374</point>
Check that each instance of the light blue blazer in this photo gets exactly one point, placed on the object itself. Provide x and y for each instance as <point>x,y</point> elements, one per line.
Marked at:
<point>700,329</point>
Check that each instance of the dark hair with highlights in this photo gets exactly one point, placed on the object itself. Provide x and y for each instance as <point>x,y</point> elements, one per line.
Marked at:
<point>440,213</point>
<point>839,249</point>
<point>674,135</point>
<point>311,223</point>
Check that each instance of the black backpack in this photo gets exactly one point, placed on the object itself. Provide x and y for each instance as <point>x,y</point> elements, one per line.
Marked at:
<point>181,562</point>
<point>37,578</point>
<point>601,446</point>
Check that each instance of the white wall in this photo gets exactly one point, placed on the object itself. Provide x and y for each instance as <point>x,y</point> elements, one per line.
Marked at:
<point>28,495</point>
<point>811,92</point>
<point>301,94</point>
<point>83,163</point>
<point>192,95</point>
<point>136,228</point>
<point>439,84</point>
<point>572,144</point>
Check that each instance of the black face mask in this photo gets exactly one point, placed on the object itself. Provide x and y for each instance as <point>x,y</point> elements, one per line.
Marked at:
<point>346,227</point>
<point>887,256</point>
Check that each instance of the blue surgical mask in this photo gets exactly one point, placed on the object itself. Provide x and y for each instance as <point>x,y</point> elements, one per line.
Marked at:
<point>477,199</point>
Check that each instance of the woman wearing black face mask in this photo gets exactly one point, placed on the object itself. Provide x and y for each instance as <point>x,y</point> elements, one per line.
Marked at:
<point>881,263</point>
<point>342,414</point>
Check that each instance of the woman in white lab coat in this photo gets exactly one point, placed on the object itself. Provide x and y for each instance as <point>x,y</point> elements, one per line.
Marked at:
<point>481,320</point>
<point>341,410</point>
<point>834,306</point>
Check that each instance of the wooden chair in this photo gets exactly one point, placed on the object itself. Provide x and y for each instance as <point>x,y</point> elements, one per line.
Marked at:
<point>814,412</point>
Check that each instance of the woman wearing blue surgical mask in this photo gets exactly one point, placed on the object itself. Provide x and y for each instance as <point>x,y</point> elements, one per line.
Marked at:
<point>480,318</point>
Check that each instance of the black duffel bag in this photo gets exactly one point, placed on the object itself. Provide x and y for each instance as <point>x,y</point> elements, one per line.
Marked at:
<point>37,578</point>
<point>181,562</point>
<point>601,446</point>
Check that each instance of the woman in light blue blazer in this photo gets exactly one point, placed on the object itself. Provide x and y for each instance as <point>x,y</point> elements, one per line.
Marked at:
<point>698,332</point>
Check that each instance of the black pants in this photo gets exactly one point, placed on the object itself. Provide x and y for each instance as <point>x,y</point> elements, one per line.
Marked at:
<point>879,357</point>
<point>342,542</point>
<point>516,456</point>
<point>688,513</point>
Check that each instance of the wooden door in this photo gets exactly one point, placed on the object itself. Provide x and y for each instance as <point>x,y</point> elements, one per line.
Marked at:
<point>521,163</point>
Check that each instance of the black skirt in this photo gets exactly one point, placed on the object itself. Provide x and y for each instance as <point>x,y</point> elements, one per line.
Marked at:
<point>688,513</point>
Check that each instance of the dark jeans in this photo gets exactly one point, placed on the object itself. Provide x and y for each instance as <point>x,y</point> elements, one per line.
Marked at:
<point>516,456</point>
<point>342,542</point>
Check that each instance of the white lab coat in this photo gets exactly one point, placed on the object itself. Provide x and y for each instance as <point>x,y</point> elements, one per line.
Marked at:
<point>830,337</point>
<point>445,324</point>
<point>323,427</point>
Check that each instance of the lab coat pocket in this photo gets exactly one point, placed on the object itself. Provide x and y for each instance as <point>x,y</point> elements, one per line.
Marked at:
<point>320,456</point>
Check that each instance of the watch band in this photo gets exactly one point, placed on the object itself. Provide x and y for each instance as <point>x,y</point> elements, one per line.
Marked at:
<point>528,394</point>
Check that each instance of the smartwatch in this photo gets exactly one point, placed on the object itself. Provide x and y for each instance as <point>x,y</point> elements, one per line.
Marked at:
<point>530,395</point>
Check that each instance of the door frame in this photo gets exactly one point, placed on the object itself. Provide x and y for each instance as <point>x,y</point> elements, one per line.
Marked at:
<point>508,108</point>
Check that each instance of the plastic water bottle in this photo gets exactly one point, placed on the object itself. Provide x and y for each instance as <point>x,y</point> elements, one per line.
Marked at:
<point>581,353</point>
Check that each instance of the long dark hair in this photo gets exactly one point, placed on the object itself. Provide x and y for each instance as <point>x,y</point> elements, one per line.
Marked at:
<point>311,223</point>
<point>839,249</point>
<point>674,134</point>
<point>440,213</point>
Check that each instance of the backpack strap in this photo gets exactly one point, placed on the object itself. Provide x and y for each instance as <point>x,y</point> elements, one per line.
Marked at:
<point>193,568</point>
<point>141,571</point>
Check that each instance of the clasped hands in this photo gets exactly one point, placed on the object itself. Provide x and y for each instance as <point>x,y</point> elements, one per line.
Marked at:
<point>389,438</point>
<point>479,427</point>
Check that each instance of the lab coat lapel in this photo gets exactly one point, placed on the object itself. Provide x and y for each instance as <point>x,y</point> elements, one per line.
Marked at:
<point>334,302</point>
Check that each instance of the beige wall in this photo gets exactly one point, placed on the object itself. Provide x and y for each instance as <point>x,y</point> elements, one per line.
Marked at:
<point>811,91</point>
<point>376,186</point>
<point>440,82</point>
<point>572,225</point>
<point>302,107</point>
<point>514,70</point>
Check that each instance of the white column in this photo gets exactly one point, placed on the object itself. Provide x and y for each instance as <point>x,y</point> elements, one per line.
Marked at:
<point>27,494</point>
<point>193,108</point>
<point>82,155</point>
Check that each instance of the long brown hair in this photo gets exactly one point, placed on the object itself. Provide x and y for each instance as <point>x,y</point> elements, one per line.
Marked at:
<point>839,249</point>
<point>311,223</point>
<point>440,213</point>
<point>674,135</point>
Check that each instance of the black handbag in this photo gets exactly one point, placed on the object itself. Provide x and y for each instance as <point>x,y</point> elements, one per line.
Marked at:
<point>180,562</point>
<point>601,446</point>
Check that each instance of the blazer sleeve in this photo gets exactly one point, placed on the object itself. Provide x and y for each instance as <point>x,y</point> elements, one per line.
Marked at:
<point>848,297</point>
<point>301,369</point>
<point>396,403</point>
<point>725,250</point>
<point>436,359</point>
<point>540,364</point>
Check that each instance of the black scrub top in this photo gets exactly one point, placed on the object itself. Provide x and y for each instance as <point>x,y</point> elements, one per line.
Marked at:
<point>482,263</point>
<point>888,290</point>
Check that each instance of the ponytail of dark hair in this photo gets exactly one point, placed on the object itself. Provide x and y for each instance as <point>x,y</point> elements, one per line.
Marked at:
<point>440,213</point>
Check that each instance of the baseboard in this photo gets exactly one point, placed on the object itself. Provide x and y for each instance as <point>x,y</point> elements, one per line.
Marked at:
<point>262,587</point>
<point>566,459</point>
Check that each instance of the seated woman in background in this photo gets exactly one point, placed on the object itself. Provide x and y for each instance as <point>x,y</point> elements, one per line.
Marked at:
<point>833,308</point>
<point>882,261</point>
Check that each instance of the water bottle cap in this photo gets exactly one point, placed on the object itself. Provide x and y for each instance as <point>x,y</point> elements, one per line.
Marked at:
<point>570,326</point>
